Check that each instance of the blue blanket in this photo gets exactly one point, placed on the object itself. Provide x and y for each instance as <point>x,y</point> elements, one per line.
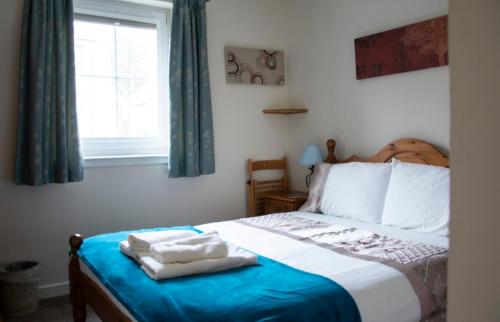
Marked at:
<point>269,291</point>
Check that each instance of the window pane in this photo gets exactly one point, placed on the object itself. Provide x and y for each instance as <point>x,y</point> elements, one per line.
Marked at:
<point>94,49</point>
<point>137,57</point>
<point>117,87</point>
<point>137,106</point>
<point>96,106</point>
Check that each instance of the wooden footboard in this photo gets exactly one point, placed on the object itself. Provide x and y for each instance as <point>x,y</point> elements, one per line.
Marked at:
<point>84,291</point>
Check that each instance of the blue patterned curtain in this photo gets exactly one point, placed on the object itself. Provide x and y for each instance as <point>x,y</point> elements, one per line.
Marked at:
<point>48,148</point>
<point>191,128</point>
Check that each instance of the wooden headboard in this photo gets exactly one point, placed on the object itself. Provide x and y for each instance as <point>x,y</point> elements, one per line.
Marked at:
<point>406,150</point>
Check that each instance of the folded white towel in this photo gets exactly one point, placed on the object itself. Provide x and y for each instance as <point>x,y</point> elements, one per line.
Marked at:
<point>197,239</point>
<point>127,250</point>
<point>236,257</point>
<point>202,246</point>
<point>142,242</point>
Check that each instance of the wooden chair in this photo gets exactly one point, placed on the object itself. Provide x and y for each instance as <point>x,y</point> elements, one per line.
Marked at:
<point>255,188</point>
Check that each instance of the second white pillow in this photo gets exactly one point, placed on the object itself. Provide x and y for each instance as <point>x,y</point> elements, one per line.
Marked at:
<point>418,198</point>
<point>356,190</point>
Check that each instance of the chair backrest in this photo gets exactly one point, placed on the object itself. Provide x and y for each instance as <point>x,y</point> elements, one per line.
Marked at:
<point>255,188</point>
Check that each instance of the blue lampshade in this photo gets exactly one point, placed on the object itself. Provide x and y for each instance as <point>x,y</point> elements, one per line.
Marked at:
<point>312,155</point>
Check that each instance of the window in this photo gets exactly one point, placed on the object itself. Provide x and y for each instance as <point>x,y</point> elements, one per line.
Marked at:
<point>121,59</point>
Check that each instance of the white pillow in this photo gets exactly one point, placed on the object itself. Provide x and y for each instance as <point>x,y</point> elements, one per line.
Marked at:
<point>356,190</point>
<point>418,198</point>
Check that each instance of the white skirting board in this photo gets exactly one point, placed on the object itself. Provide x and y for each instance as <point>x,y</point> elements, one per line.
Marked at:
<point>53,290</point>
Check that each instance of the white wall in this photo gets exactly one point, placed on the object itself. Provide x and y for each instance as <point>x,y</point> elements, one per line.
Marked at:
<point>474,282</point>
<point>35,223</point>
<point>361,115</point>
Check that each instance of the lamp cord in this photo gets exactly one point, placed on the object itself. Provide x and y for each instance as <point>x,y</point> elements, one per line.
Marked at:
<point>308,176</point>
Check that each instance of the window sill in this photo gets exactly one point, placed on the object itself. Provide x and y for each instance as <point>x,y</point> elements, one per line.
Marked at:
<point>124,160</point>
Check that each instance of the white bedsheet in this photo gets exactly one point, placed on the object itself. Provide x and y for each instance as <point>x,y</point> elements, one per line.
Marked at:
<point>382,293</point>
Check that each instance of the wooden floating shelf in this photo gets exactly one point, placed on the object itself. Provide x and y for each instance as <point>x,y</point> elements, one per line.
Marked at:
<point>285,111</point>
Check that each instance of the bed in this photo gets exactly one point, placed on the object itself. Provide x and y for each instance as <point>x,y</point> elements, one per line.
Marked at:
<point>408,287</point>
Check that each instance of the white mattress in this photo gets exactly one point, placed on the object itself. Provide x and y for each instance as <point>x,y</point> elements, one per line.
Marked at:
<point>368,282</point>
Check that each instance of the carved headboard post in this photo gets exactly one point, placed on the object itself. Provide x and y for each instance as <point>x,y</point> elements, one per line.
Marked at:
<point>330,158</point>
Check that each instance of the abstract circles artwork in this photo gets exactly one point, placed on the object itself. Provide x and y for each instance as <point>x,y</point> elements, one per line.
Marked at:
<point>255,66</point>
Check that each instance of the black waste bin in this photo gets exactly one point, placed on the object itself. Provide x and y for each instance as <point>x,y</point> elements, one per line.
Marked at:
<point>19,287</point>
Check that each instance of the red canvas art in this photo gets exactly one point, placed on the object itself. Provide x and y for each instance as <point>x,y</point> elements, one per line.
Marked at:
<point>413,47</point>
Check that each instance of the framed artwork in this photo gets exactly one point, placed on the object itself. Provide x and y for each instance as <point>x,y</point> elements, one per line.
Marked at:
<point>255,66</point>
<point>417,46</point>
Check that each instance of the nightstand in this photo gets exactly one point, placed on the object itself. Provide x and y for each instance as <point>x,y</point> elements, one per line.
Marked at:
<point>283,201</point>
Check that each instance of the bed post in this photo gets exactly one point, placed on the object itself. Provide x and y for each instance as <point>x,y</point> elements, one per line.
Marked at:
<point>75,281</point>
<point>330,158</point>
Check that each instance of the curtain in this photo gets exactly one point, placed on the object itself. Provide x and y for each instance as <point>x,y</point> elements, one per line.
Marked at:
<point>191,128</point>
<point>48,148</point>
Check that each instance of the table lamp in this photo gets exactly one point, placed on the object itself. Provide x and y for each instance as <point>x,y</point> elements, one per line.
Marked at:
<point>312,155</point>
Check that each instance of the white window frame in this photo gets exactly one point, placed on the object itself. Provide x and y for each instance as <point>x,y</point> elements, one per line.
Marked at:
<point>131,151</point>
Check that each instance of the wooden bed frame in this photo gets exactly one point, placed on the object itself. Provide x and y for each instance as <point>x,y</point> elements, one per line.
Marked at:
<point>84,291</point>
